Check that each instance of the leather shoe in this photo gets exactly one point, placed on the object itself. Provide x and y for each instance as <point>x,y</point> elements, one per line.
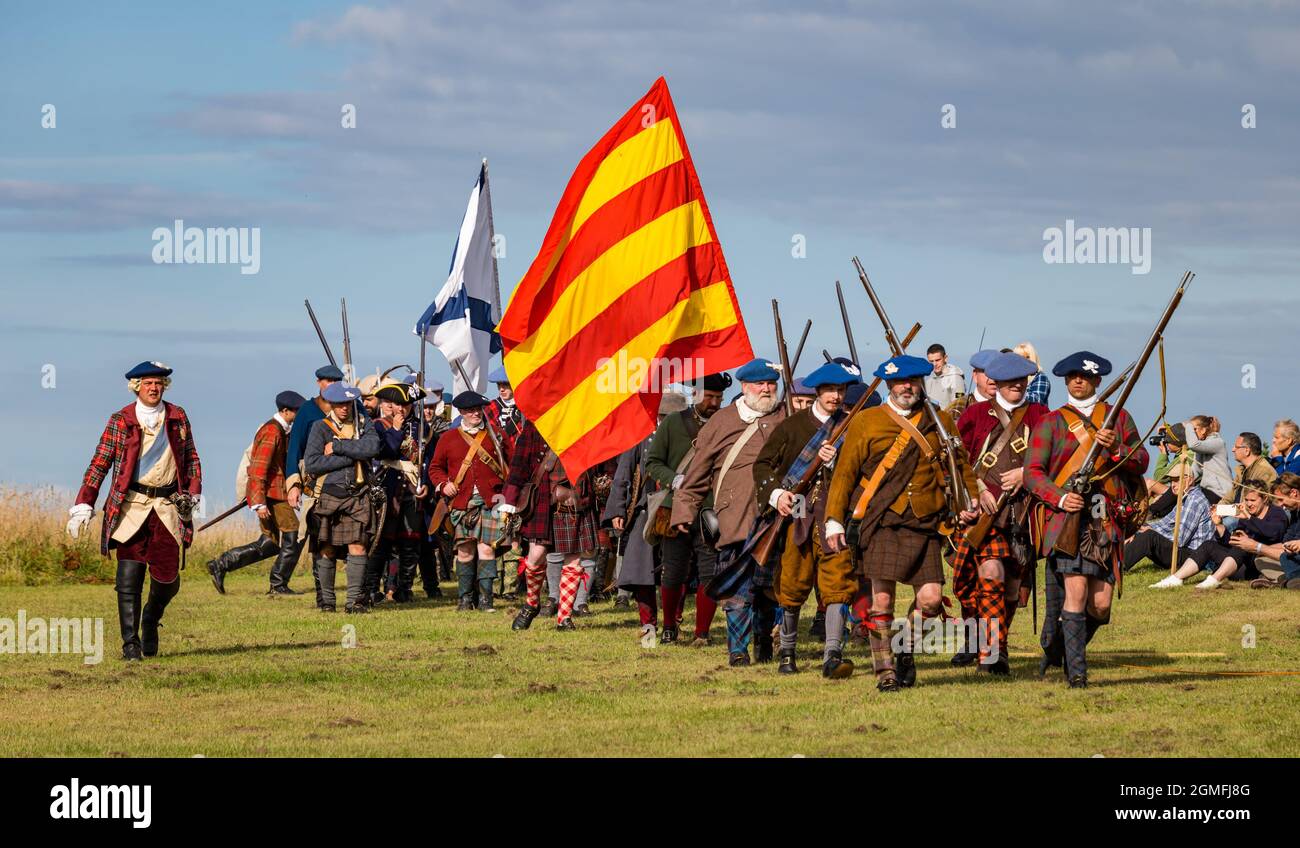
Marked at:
<point>787,664</point>
<point>905,670</point>
<point>836,667</point>
<point>738,659</point>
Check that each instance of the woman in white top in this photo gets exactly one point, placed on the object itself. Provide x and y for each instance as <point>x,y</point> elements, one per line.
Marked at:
<point>1202,434</point>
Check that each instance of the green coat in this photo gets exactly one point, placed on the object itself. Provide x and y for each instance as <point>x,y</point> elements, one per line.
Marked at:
<point>668,445</point>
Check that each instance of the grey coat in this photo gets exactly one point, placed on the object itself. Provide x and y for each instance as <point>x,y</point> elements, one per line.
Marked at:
<point>640,561</point>
<point>337,467</point>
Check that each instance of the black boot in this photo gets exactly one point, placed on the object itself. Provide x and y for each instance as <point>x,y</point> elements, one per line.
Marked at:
<point>525,618</point>
<point>129,585</point>
<point>160,594</point>
<point>485,594</point>
<point>239,557</point>
<point>836,667</point>
<point>818,629</point>
<point>787,665</point>
<point>285,562</point>
<point>905,669</point>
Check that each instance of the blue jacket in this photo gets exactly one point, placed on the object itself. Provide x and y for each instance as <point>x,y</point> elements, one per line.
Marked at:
<point>1290,462</point>
<point>308,414</point>
<point>337,467</point>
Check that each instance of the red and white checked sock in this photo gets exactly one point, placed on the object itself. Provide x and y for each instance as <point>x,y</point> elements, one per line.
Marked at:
<point>571,576</point>
<point>534,574</point>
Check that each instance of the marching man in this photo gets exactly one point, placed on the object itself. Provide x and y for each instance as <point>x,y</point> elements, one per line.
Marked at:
<point>893,457</point>
<point>156,481</point>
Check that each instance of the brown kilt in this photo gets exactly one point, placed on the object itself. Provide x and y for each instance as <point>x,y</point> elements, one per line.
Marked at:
<point>904,549</point>
<point>574,532</point>
<point>342,521</point>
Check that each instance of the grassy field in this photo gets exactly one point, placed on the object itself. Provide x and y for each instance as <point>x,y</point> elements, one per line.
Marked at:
<point>248,675</point>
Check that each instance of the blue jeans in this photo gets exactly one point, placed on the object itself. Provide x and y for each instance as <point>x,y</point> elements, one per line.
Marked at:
<point>1290,567</point>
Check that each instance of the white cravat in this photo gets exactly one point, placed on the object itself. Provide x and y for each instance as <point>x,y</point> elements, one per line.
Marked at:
<point>906,413</point>
<point>284,425</point>
<point>820,415</point>
<point>1085,406</point>
<point>149,416</point>
<point>1009,407</point>
<point>979,398</point>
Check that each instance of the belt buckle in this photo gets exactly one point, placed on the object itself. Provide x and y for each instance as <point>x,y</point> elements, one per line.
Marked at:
<point>1018,444</point>
<point>988,460</point>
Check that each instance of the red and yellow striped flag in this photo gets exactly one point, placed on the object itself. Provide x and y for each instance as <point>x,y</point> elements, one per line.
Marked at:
<point>630,284</point>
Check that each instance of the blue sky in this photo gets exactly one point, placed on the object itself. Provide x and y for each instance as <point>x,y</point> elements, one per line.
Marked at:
<point>821,119</point>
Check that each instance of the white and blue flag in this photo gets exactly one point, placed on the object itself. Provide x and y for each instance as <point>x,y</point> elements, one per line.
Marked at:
<point>461,322</point>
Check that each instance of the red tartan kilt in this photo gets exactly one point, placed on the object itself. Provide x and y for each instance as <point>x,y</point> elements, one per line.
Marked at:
<point>965,563</point>
<point>537,527</point>
<point>574,532</point>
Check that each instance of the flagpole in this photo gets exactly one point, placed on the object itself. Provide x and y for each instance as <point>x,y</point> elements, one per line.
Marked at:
<point>492,240</point>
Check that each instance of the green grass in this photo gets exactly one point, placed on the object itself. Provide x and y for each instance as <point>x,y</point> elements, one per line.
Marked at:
<point>247,675</point>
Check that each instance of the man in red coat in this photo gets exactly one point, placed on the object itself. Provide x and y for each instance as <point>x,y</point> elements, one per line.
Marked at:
<point>468,470</point>
<point>987,571</point>
<point>156,481</point>
<point>1079,587</point>
<point>267,497</point>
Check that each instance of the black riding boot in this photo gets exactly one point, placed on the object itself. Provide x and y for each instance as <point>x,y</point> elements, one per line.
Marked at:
<point>285,563</point>
<point>129,585</point>
<point>238,557</point>
<point>160,594</point>
<point>408,563</point>
<point>1052,638</point>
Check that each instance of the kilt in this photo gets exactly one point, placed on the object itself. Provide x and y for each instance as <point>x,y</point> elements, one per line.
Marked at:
<point>573,532</point>
<point>905,551</point>
<point>479,524</point>
<point>965,563</point>
<point>1079,565</point>
<point>343,521</point>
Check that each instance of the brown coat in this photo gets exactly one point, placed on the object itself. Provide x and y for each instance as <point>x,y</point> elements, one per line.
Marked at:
<point>735,504</point>
<point>869,438</point>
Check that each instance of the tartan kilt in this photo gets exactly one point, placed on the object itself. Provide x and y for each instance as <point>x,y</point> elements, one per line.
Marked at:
<point>537,527</point>
<point>574,532</point>
<point>965,563</point>
<point>479,524</point>
<point>904,553</point>
<point>343,520</point>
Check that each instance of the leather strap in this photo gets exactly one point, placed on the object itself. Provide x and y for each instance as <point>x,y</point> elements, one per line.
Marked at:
<point>475,444</point>
<point>1082,429</point>
<point>731,457</point>
<point>1009,428</point>
<point>872,484</point>
<point>909,427</point>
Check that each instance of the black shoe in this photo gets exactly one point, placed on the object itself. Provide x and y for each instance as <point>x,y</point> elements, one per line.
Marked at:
<point>466,604</point>
<point>905,670</point>
<point>622,603</point>
<point>964,658</point>
<point>582,609</point>
<point>282,590</point>
<point>567,624</point>
<point>818,629</point>
<point>327,608</point>
<point>836,667</point>
<point>131,652</point>
<point>738,659</point>
<point>787,665</point>
<point>548,608</point>
<point>886,682</point>
<point>669,636</point>
<point>1079,681</point>
<point>1000,668</point>
<point>1049,662</point>
<point>485,605</point>
<point>525,618</point>
<point>160,594</point>
<point>286,560</point>
<point>356,609</point>
<point>218,575</point>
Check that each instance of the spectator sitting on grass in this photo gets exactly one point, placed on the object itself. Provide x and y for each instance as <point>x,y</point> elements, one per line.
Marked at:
<point>1200,435</point>
<point>1286,493</point>
<point>1285,454</point>
<point>1259,523</point>
<point>1155,540</point>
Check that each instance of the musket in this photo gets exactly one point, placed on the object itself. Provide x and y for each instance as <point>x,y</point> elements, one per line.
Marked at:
<point>947,441</point>
<point>981,347</point>
<point>243,502</point>
<point>786,395</point>
<point>768,535</point>
<point>848,330</point>
<point>798,351</point>
<point>347,344</point>
<point>1067,542</point>
<point>1119,381</point>
<point>320,334</point>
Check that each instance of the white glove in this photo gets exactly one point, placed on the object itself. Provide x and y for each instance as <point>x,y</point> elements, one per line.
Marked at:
<point>81,514</point>
<point>678,480</point>
<point>505,509</point>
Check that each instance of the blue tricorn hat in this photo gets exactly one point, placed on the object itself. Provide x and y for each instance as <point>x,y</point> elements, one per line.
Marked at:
<point>1010,366</point>
<point>329,372</point>
<point>148,369</point>
<point>758,371</point>
<point>903,367</point>
<point>833,374</point>
<point>1083,362</point>
<point>340,392</point>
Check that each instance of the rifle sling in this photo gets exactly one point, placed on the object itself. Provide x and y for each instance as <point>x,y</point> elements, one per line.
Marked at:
<point>1082,429</point>
<point>871,485</point>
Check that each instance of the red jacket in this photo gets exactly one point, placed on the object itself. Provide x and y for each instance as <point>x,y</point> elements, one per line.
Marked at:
<point>447,458</point>
<point>978,421</point>
<point>266,464</point>
<point>119,449</point>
